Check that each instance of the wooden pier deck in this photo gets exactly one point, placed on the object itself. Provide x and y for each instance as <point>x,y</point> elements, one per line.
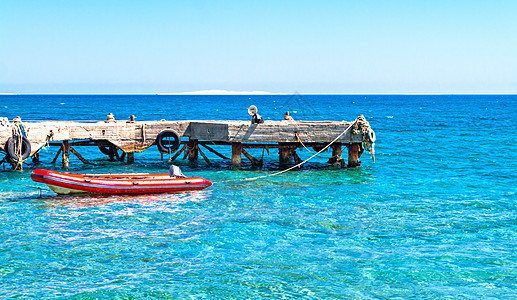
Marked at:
<point>132,136</point>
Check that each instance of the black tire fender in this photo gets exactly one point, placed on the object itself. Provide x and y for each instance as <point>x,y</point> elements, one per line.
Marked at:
<point>371,135</point>
<point>168,141</point>
<point>10,147</point>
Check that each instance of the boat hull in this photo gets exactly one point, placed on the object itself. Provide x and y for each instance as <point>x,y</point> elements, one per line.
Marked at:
<point>71,183</point>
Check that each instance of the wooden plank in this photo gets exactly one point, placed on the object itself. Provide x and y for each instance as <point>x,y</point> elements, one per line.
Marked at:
<point>207,131</point>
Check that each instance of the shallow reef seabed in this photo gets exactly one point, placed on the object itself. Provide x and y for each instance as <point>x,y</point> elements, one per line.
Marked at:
<point>433,217</point>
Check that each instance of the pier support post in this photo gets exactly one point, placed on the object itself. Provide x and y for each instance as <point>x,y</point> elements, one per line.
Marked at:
<point>336,155</point>
<point>66,154</point>
<point>284,154</point>
<point>193,152</point>
<point>112,153</point>
<point>353,155</point>
<point>130,157</point>
<point>236,154</point>
<point>35,157</point>
<point>296,158</point>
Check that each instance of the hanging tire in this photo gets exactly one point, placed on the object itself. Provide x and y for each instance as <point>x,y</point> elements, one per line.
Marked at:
<point>168,141</point>
<point>371,136</point>
<point>11,148</point>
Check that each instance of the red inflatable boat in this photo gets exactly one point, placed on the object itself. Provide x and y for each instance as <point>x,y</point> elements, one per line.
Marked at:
<point>70,183</point>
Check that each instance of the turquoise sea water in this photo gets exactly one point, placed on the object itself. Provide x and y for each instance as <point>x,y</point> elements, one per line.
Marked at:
<point>434,217</point>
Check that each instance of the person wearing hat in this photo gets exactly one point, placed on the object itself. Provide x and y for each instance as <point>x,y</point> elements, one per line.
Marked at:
<point>287,117</point>
<point>255,117</point>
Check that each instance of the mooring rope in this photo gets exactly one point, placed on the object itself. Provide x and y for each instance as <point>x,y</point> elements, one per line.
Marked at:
<point>17,134</point>
<point>288,169</point>
<point>29,186</point>
<point>309,150</point>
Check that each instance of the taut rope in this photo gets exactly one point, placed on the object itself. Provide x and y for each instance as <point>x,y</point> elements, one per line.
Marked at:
<point>29,186</point>
<point>289,169</point>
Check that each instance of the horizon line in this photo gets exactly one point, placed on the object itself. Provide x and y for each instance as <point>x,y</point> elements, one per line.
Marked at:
<point>248,94</point>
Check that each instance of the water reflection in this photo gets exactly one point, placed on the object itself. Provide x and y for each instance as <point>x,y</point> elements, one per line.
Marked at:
<point>87,200</point>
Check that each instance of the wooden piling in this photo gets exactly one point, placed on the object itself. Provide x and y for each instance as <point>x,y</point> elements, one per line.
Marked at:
<point>284,154</point>
<point>353,155</point>
<point>336,155</point>
<point>192,150</point>
<point>65,146</point>
<point>113,153</point>
<point>35,157</point>
<point>295,156</point>
<point>130,157</point>
<point>236,154</point>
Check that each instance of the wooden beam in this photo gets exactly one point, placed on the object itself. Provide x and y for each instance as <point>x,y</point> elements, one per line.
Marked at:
<point>236,154</point>
<point>204,156</point>
<point>213,151</point>
<point>217,143</point>
<point>57,155</point>
<point>177,154</point>
<point>260,146</point>
<point>254,161</point>
<point>79,156</point>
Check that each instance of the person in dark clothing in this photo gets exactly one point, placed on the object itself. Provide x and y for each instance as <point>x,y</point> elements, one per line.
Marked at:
<point>255,117</point>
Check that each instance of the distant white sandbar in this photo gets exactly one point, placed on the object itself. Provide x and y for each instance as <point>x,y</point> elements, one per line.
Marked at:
<point>223,92</point>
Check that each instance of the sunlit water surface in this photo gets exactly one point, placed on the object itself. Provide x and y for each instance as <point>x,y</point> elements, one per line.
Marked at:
<point>434,217</point>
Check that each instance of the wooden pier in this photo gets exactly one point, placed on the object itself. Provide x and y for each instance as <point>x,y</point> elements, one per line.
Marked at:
<point>121,139</point>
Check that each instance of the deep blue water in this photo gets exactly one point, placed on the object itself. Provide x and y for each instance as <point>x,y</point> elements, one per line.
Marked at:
<point>434,217</point>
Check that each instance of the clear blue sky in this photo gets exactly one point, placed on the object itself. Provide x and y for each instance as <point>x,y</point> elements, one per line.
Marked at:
<point>358,46</point>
